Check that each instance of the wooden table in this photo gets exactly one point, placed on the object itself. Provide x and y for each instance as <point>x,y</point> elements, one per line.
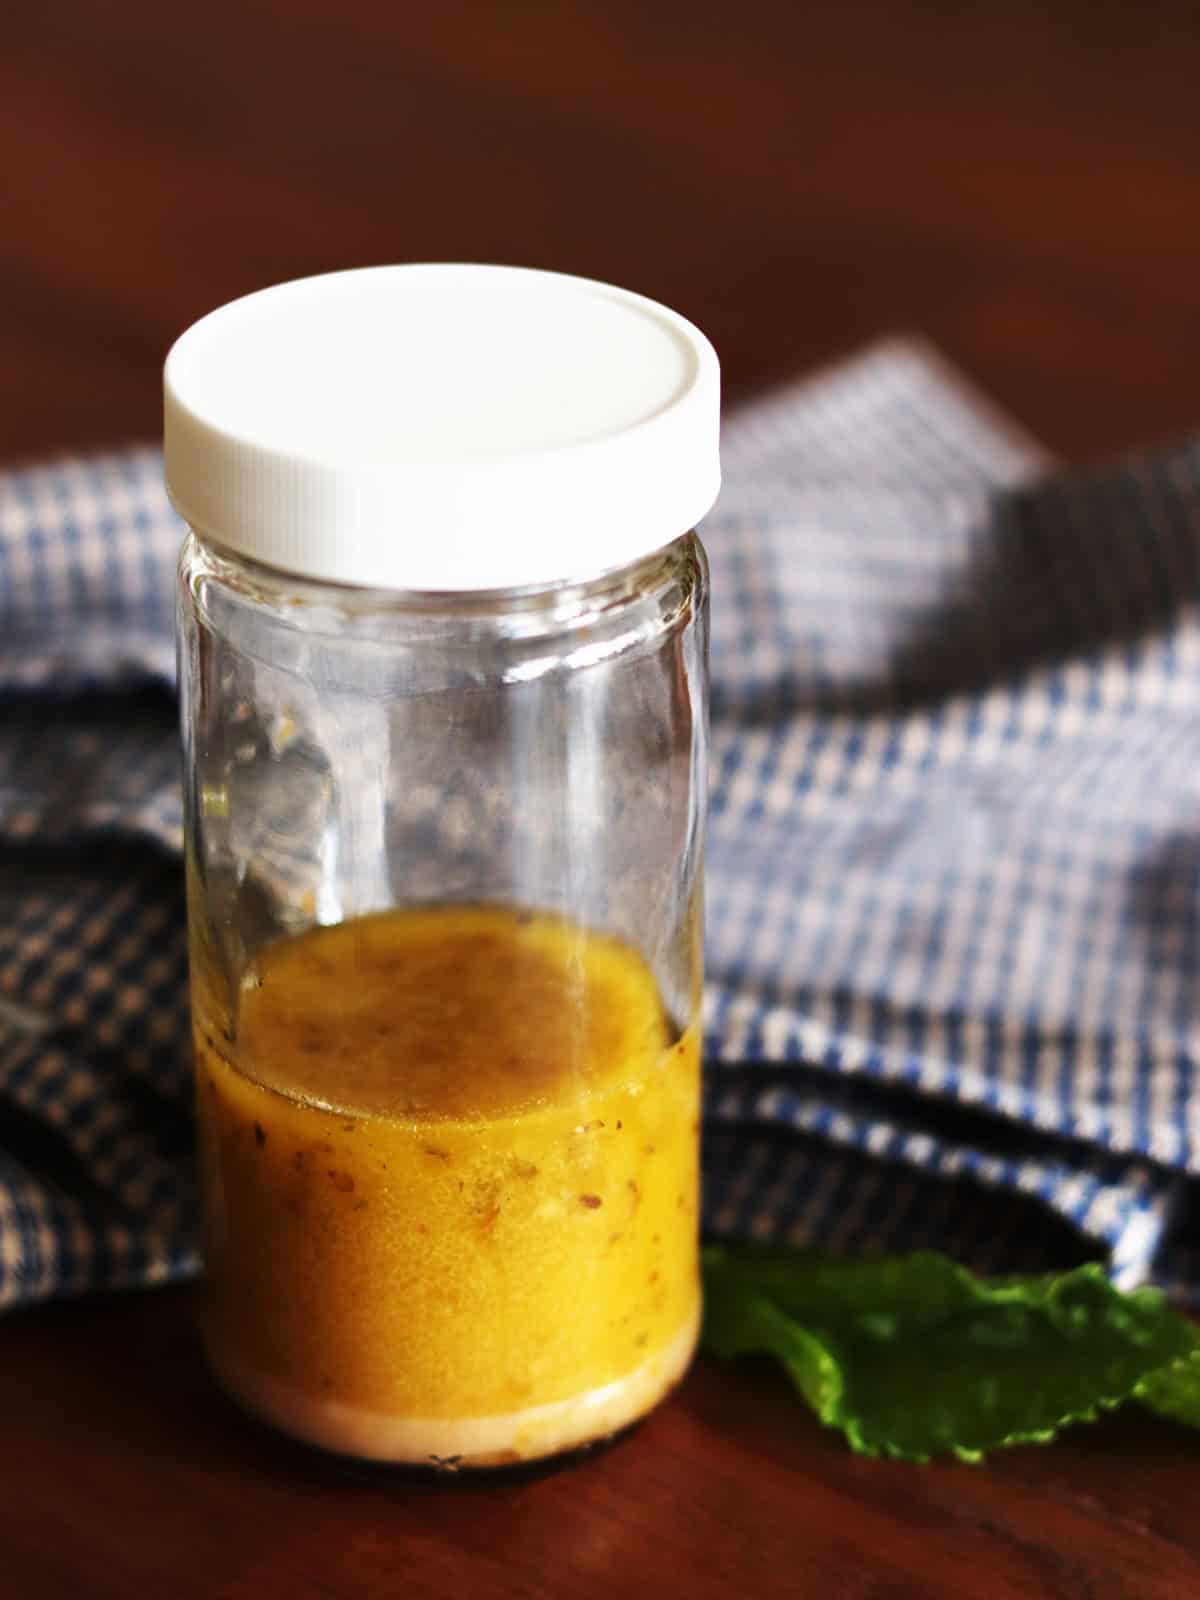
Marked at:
<point>1019,180</point>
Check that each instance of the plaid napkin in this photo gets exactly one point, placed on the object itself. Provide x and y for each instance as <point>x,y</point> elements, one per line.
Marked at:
<point>954,865</point>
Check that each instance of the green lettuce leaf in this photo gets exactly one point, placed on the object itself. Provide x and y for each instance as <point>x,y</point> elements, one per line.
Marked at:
<point>914,1356</point>
<point>1175,1391</point>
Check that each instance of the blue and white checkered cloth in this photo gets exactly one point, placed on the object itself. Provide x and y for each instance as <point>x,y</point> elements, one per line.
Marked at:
<point>954,864</point>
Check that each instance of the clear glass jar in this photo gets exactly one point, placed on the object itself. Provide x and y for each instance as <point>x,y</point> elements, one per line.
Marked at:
<point>444,860</point>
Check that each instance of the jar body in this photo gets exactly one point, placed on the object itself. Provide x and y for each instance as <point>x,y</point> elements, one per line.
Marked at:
<point>445,906</point>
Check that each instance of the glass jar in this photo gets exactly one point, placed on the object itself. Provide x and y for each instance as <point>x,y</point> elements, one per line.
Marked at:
<point>443,688</point>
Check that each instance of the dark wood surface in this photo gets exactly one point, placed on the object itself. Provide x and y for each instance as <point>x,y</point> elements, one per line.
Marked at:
<point>128,1474</point>
<point>1020,181</point>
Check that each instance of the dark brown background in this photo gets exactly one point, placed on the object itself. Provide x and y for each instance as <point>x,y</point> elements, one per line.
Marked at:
<point>1019,180</point>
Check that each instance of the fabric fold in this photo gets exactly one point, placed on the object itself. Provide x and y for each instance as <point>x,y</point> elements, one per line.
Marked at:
<point>954,860</point>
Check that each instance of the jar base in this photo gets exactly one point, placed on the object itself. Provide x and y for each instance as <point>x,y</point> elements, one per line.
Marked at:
<point>535,1433</point>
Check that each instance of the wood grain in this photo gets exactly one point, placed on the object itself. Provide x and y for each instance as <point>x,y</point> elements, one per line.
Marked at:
<point>1018,180</point>
<point>129,1474</point>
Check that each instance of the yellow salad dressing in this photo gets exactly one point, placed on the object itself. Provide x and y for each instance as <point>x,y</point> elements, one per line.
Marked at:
<point>451,1181</point>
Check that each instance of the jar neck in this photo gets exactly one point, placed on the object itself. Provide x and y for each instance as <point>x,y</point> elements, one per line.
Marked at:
<point>666,583</point>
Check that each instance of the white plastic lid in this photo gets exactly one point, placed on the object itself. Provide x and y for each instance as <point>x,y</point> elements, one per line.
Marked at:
<point>442,427</point>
